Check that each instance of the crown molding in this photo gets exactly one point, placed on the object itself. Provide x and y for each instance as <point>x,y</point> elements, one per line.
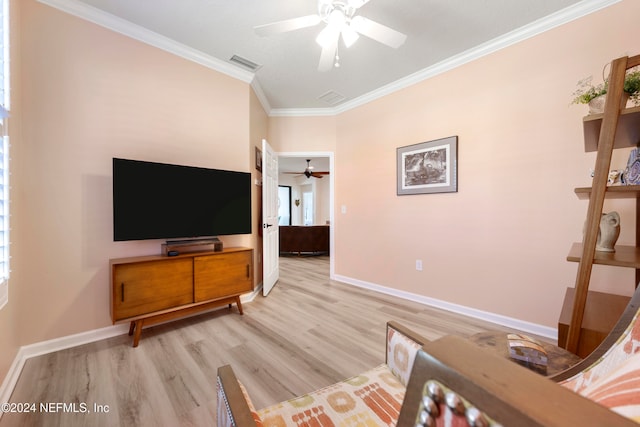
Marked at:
<point>302,112</point>
<point>119,25</point>
<point>262,98</point>
<point>540,26</point>
<point>129,29</point>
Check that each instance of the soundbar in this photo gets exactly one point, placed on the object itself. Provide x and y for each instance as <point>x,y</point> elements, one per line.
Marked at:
<point>176,247</point>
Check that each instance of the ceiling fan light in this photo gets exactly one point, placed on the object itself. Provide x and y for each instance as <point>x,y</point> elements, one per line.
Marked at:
<point>336,18</point>
<point>349,36</point>
<point>327,36</point>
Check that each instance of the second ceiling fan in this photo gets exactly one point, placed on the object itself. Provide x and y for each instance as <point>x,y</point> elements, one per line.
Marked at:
<point>341,19</point>
<point>309,172</point>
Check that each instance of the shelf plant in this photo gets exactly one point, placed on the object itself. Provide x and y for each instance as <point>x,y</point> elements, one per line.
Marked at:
<point>587,91</point>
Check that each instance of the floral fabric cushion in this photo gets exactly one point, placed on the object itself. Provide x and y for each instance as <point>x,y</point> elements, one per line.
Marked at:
<point>619,390</point>
<point>614,380</point>
<point>401,353</point>
<point>627,345</point>
<point>225,418</point>
<point>252,408</point>
<point>373,398</point>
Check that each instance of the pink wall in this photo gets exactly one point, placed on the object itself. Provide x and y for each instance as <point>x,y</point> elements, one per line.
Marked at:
<point>8,339</point>
<point>296,134</point>
<point>499,244</point>
<point>87,94</point>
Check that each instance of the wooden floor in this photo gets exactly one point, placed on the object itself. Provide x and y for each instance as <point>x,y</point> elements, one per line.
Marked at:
<point>308,333</point>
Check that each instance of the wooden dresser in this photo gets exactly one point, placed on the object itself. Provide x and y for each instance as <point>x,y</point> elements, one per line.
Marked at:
<point>304,238</point>
<point>151,289</point>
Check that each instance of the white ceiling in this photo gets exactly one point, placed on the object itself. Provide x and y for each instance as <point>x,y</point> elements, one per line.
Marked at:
<point>299,164</point>
<point>441,34</point>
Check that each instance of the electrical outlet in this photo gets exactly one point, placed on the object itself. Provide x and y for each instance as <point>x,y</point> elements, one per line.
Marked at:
<point>419,264</point>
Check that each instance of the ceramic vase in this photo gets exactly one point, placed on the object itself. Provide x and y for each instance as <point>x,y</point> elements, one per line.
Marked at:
<point>609,232</point>
<point>596,105</point>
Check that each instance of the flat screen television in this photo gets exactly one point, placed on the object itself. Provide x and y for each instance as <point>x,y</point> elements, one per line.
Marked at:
<point>165,201</point>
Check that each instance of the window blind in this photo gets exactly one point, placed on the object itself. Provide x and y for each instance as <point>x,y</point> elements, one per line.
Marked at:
<point>4,151</point>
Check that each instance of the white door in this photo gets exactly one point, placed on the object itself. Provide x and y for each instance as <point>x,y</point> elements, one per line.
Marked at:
<point>270,235</point>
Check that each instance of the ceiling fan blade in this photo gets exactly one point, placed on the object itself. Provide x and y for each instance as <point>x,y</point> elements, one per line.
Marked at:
<point>287,25</point>
<point>328,54</point>
<point>378,32</point>
<point>319,174</point>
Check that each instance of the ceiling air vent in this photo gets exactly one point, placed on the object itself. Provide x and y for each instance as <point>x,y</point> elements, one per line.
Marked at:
<point>245,63</point>
<point>332,98</point>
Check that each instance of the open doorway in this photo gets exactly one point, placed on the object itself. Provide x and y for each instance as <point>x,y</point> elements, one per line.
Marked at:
<point>284,204</point>
<point>311,194</point>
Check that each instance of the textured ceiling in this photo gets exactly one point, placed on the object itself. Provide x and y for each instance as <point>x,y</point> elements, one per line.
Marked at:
<point>440,34</point>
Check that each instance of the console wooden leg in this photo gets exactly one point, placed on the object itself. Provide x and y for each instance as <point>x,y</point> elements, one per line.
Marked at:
<point>132,326</point>
<point>138,332</point>
<point>239,304</point>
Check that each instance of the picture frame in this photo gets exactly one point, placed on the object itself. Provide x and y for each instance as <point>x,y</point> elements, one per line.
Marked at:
<point>258,160</point>
<point>428,167</point>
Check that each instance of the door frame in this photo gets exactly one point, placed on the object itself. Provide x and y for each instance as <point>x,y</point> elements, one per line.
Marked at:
<point>330,155</point>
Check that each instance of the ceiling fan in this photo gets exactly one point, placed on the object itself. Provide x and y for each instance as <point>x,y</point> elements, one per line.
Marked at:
<point>341,19</point>
<point>309,172</point>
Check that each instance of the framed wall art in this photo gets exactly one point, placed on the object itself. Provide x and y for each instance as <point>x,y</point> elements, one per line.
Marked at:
<point>258,160</point>
<point>428,167</point>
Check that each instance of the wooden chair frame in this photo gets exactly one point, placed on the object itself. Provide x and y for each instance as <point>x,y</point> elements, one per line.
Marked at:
<point>507,393</point>
<point>621,326</point>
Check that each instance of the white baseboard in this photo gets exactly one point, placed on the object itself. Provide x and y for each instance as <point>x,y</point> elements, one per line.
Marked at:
<point>521,325</point>
<point>32,350</point>
<point>250,297</point>
<point>57,344</point>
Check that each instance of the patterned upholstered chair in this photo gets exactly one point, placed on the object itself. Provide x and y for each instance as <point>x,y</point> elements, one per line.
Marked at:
<point>371,398</point>
<point>456,383</point>
<point>611,374</point>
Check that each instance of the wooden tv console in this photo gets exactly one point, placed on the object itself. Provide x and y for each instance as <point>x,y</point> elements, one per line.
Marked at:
<point>150,289</point>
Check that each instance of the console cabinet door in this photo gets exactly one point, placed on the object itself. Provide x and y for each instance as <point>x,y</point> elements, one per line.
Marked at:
<point>223,275</point>
<point>145,287</point>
